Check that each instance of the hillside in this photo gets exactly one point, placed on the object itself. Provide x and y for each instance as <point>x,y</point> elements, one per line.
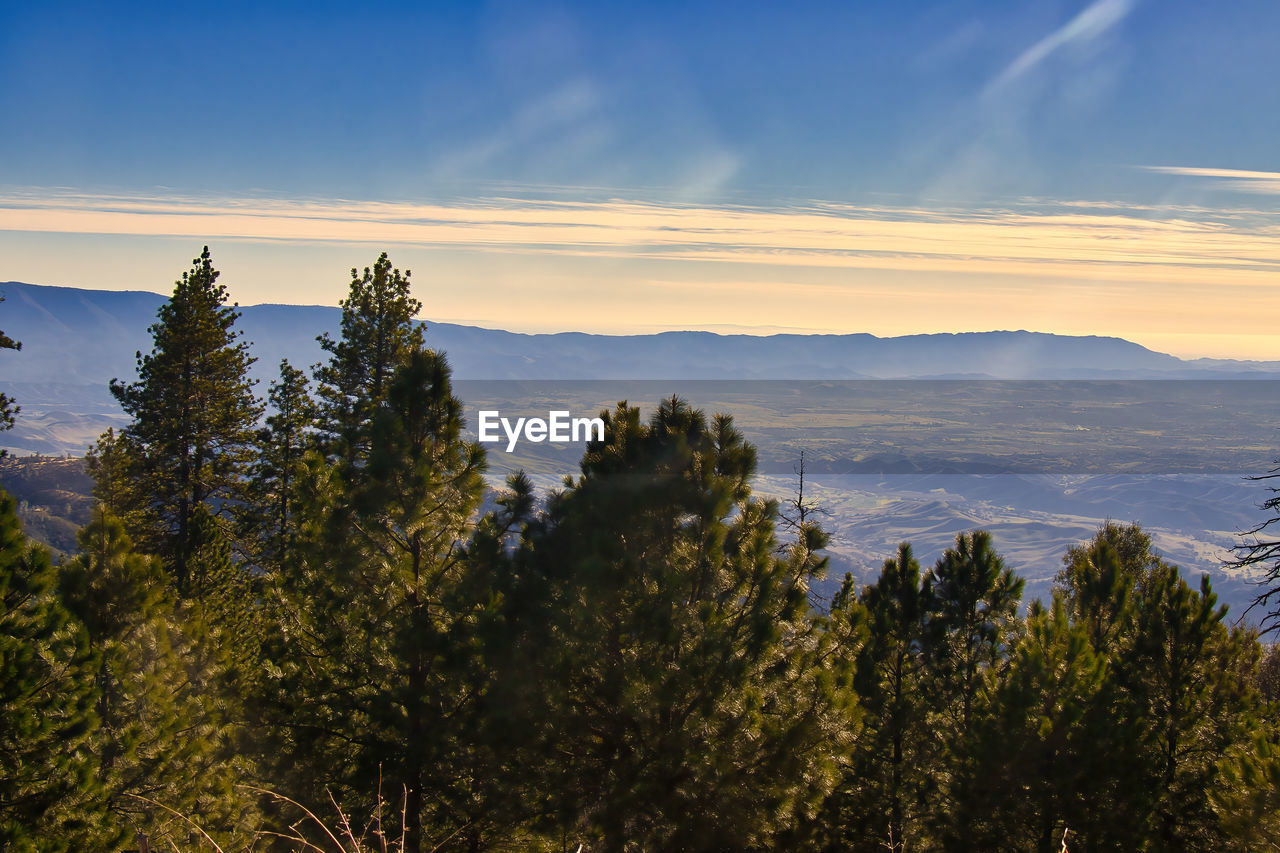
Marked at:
<point>74,336</point>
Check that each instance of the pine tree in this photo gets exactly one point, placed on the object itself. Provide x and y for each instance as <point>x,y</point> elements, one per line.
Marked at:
<point>970,626</point>
<point>48,798</point>
<point>271,519</point>
<point>1248,797</point>
<point>1103,585</point>
<point>882,796</point>
<point>686,708</point>
<point>161,739</point>
<point>375,670</point>
<point>970,622</point>
<point>501,799</point>
<point>1030,777</point>
<point>378,335</point>
<point>110,463</point>
<point>1174,729</point>
<point>193,414</point>
<point>1101,579</point>
<point>1195,706</point>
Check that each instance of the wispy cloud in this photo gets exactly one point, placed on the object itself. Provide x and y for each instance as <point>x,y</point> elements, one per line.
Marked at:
<point>567,111</point>
<point>1097,242</point>
<point>1240,180</point>
<point>1097,19</point>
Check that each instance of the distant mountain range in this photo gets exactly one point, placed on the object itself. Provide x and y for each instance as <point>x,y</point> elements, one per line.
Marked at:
<point>72,336</point>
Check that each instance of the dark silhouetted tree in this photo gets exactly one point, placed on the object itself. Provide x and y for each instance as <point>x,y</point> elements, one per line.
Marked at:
<point>885,787</point>
<point>1261,549</point>
<point>1028,778</point>
<point>970,626</point>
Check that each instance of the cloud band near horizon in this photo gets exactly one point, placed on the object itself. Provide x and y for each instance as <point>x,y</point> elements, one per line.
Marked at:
<point>1182,279</point>
<point>1092,241</point>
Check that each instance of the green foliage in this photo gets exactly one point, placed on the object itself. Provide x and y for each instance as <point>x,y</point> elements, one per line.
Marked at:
<point>193,414</point>
<point>1266,676</point>
<point>635,664</point>
<point>374,670</point>
<point>110,462</point>
<point>1173,725</point>
<point>161,738</point>
<point>970,627</point>
<point>971,623</point>
<point>378,334</point>
<point>1031,776</point>
<point>885,789</point>
<point>1247,800</point>
<point>685,705</point>
<point>49,799</point>
<point>270,519</point>
<point>1194,702</point>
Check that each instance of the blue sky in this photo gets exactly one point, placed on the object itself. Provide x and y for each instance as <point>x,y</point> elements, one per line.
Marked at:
<point>1099,167</point>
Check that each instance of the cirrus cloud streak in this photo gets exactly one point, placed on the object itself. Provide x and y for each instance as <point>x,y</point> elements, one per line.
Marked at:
<point>1100,241</point>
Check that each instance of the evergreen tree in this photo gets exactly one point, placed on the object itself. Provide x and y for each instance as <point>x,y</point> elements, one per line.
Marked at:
<point>1174,732</point>
<point>1103,585</point>
<point>193,414</point>
<point>375,669</point>
<point>1196,705</point>
<point>1248,798</point>
<point>271,519</point>
<point>970,626</point>
<point>1266,677</point>
<point>686,706</point>
<point>378,335</point>
<point>502,800</point>
<point>884,790</point>
<point>161,739</point>
<point>1101,579</point>
<point>1030,778</point>
<point>110,463</point>
<point>971,620</point>
<point>48,798</point>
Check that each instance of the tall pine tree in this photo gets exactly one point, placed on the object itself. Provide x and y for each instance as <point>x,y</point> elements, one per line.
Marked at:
<point>1030,778</point>
<point>970,626</point>
<point>882,797</point>
<point>193,414</point>
<point>374,675</point>
<point>378,335</point>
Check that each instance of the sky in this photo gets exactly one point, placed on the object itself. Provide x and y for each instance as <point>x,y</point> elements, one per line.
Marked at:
<point>1104,167</point>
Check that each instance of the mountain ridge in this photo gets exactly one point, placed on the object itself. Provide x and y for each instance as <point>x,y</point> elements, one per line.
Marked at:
<point>83,336</point>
